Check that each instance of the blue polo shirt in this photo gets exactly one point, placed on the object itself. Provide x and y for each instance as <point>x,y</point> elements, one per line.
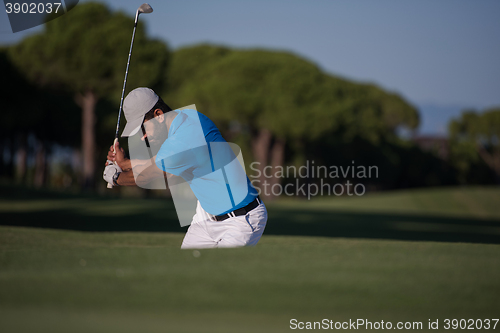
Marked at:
<point>196,151</point>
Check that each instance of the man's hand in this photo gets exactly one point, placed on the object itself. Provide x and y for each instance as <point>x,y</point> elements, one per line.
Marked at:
<point>111,172</point>
<point>117,155</point>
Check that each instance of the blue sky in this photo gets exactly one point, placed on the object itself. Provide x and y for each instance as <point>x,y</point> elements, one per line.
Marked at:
<point>442,56</point>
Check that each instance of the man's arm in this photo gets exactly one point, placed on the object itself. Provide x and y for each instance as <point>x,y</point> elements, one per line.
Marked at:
<point>134,172</point>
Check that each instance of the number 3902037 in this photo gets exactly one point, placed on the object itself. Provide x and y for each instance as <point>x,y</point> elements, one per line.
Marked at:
<point>32,8</point>
<point>470,324</point>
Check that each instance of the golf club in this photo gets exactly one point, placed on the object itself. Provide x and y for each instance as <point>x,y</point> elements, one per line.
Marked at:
<point>146,9</point>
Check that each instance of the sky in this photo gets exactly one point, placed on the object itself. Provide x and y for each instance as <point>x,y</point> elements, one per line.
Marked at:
<point>441,56</point>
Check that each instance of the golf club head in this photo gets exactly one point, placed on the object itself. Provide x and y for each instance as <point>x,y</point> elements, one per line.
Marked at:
<point>145,8</point>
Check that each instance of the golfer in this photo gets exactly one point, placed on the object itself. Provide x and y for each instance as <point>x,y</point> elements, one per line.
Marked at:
<point>187,145</point>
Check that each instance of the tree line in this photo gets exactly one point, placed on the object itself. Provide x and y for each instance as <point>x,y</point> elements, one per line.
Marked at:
<point>62,86</point>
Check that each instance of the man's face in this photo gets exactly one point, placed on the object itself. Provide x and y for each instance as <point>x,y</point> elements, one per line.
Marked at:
<point>156,131</point>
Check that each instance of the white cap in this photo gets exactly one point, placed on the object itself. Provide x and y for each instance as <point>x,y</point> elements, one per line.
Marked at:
<point>137,103</point>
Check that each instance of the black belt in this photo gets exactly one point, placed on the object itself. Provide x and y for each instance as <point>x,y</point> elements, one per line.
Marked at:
<point>239,211</point>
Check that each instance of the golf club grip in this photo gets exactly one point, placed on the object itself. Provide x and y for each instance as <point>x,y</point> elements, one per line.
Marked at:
<point>114,150</point>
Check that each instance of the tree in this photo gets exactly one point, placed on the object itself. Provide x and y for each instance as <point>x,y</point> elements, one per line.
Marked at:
<point>29,111</point>
<point>85,52</point>
<point>477,135</point>
<point>281,98</point>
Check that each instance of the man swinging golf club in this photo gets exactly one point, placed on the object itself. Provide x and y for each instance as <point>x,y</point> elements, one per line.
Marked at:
<point>187,145</point>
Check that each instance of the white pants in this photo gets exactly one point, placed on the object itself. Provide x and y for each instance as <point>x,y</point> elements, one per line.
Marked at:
<point>244,230</point>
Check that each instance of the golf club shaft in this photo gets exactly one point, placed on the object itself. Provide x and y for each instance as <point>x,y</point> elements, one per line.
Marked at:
<point>123,89</point>
<point>125,82</point>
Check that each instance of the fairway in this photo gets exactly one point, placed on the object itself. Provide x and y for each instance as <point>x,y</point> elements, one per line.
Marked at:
<point>313,264</point>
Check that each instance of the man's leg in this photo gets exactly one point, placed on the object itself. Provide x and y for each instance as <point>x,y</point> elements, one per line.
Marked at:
<point>241,230</point>
<point>197,235</point>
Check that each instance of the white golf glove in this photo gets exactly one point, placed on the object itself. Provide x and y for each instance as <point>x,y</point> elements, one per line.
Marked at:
<point>111,173</point>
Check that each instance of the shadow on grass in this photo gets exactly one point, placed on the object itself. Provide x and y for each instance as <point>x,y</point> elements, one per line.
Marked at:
<point>382,226</point>
<point>282,221</point>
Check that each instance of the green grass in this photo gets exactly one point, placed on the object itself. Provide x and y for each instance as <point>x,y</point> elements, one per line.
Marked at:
<point>479,202</point>
<point>139,281</point>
